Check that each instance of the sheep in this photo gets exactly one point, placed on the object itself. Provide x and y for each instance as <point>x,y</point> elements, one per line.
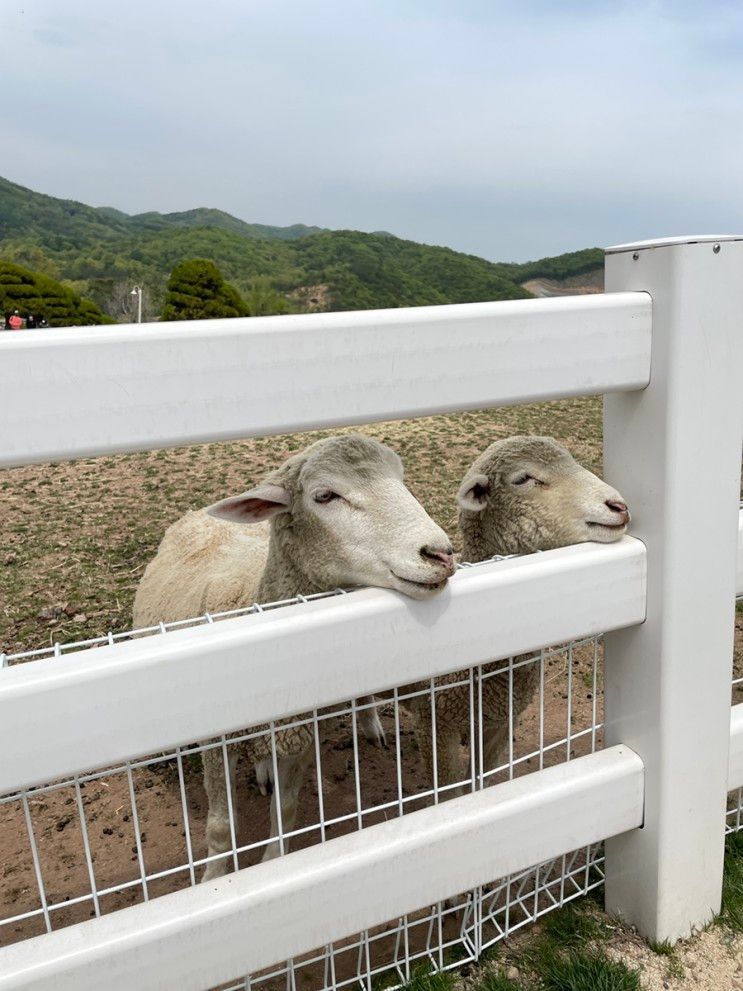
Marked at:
<point>340,516</point>
<point>523,494</point>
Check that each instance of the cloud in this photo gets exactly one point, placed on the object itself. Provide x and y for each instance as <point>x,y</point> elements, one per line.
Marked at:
<point>510,129</point>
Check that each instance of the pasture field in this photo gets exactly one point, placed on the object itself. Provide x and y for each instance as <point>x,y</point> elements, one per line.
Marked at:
<point>77,535</point>
<point>76,539</point>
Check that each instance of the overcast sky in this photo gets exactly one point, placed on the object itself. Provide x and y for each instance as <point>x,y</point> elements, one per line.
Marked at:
<point>510,129</point>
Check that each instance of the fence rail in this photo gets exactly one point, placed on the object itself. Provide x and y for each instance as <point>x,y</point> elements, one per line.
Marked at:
<point>672,446</point>
<point>286,907</point>
<point>78,392</point>
<point>155,692</point>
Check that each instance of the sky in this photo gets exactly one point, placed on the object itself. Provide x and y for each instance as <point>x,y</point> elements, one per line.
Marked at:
<point>511,129</point>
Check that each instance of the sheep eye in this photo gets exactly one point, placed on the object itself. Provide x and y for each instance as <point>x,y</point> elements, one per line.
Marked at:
<point>325,496</point>
<point>525,477</point>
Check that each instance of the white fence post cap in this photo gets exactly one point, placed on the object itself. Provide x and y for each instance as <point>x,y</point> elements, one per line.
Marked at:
<point>665,242</point>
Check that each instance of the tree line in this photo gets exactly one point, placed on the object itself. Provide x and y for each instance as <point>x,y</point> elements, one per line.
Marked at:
<point>196,290</point>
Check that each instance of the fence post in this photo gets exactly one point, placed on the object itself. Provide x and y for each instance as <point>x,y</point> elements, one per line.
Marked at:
<point>673,450</point>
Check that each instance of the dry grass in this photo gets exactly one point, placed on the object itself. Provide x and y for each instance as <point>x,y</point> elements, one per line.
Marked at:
<point>77,536</point>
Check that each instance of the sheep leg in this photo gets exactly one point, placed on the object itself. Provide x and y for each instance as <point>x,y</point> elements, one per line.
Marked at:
<point>499,713</point>
<point>370,723</point>
<point>291,770</point>
<point>218,833</point>
<point>448,738</point>
<point>494,741</point>
<point>449,759</point>
<point>264,776</point>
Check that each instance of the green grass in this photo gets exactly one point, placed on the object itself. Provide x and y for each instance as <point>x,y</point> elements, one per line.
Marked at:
<point>574,925</point>
<point>567,952</point>
<point>497,980</point>
<point>585,970</point>
<point>675,968</point>
<point>664,949</point>
<point>566,955</point>
<point>424,979</point>
<point>731,914</point>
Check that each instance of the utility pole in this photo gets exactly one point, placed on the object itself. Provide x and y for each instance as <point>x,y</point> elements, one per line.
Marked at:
<point>137,291</point>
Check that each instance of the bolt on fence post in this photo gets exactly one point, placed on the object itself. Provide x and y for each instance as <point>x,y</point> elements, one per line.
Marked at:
<point>674,451</point>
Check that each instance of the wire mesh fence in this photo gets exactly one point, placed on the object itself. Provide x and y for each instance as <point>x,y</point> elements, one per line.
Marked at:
<point>738,653</point>
<point>117,836</point>
<point>443,936</point>
<point>734,815</point>
<point>113,837</point>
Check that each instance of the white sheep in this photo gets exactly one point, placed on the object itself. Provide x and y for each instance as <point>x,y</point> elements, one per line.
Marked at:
<point>521,495</point>
<point>340,516</point>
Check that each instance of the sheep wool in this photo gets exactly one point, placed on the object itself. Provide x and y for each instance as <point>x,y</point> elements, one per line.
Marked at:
<point>521,495</point>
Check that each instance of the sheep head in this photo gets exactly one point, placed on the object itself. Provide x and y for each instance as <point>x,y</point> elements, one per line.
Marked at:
<point>527,494</point>
<point>341,513</point>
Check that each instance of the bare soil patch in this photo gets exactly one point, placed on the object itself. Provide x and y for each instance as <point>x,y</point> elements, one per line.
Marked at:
<point>710,961</point>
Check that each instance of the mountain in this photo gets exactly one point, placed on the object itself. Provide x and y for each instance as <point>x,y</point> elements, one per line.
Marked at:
<point>204,217</point>
<point>97,250</point>
<point>25,213</point>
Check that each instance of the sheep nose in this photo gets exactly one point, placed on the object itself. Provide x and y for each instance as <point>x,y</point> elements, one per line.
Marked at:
<point>619,507</point>
<point>616,505</point>
<point>445,557</point>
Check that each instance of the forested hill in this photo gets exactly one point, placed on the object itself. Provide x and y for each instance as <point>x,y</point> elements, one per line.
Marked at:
<point>26,214</point>
<point>96,250</point>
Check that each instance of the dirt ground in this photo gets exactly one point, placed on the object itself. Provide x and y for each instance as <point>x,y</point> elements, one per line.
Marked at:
<point>75,540</point>
<point>576,285</point>
<point>710,961</point>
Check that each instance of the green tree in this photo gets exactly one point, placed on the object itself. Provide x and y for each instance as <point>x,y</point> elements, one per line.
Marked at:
<point>32,257</point>
<point>263,300</point>
<point>197,291</point>
<point>31,292</point>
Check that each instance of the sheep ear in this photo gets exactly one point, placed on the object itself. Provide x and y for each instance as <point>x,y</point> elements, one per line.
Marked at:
<point>473,493</point>
<point>260,503</point>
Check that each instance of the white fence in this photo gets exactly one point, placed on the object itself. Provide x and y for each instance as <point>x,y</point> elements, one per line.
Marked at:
<point>665,344</point>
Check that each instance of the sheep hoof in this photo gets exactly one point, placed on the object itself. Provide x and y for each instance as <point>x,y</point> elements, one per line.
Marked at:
<point>217,868</point>
<point>379,740</point>
<point>272,851</point>
<point>458,901</point>
<point>374,734</point>
<point>264,776</point>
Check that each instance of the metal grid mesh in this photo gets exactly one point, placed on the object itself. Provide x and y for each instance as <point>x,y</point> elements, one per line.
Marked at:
<point>738,659</point>
<point>443,936</point>
<point>57,649</point>
<point>96,842</point>
<point>734,815</point>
